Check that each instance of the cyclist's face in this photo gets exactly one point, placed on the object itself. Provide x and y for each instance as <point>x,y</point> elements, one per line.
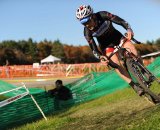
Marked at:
<point>90,24</point>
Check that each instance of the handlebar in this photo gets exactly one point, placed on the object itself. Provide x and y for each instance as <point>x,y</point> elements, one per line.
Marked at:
<point>133,39</point>
<point>136,41</point>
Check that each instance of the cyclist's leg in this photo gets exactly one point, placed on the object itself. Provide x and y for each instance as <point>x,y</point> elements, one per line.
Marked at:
<point>129,45</point>
<point>123,73</point>
<point>119,68</point>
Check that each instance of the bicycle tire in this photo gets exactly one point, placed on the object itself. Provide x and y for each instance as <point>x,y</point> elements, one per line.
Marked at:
<point>135,73</point>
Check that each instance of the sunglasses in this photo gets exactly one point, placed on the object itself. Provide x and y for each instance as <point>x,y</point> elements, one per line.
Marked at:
<point>85,21</point>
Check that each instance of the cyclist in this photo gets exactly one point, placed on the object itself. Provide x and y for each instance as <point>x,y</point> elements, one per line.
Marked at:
<point>99,25</point>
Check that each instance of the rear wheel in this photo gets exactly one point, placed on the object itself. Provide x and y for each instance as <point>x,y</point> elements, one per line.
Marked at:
<point>136,73</point>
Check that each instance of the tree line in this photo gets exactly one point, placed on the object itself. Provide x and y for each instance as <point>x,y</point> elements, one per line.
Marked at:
<point>25,52</point>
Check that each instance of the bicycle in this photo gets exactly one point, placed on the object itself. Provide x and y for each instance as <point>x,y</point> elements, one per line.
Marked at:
<point>138,72</point>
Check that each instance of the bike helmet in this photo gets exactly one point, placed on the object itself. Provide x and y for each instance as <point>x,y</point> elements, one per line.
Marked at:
<point>83,13</point>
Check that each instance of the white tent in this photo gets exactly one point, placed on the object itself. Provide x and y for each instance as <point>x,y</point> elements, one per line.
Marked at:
<point>50,59</point>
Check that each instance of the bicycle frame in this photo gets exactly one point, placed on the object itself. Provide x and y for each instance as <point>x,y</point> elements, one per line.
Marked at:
<point>128,54</point>
<point>136,69</point>
<point>119,47</point>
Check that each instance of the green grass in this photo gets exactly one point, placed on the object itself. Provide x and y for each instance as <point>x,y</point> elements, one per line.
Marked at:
<point>122,110</point>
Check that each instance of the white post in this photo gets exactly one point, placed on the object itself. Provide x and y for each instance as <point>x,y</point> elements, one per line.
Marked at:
<point>38,107</point>
<point>35,103</point>
<point>69,69</point>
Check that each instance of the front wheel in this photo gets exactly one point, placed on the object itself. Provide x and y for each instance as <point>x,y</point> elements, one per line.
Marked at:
<point>137,76</point>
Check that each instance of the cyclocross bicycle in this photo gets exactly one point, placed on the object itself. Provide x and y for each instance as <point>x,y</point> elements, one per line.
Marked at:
<point>138,72</point>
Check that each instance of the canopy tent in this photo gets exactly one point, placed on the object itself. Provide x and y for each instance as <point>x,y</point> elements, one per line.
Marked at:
<point>50,59</point>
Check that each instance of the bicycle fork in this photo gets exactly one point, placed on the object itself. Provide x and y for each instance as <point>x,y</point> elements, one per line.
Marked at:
<point>136,70</point>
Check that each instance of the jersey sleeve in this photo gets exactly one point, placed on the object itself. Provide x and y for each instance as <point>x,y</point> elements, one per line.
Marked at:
<point>92,43</point>
<point>115,19</point>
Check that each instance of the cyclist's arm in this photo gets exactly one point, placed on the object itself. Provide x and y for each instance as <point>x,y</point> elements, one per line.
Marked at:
<point>92,43</point>
<point>115,19</point>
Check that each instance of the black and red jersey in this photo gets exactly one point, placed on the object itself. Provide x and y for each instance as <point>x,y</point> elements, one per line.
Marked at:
<point>104,31</point>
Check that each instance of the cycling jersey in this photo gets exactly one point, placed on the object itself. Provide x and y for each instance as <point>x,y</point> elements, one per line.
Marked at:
<point>105,33</point>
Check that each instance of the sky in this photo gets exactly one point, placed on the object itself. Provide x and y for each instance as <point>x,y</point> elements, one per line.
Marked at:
<point>55,19</point>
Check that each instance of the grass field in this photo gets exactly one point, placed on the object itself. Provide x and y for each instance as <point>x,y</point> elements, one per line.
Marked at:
<point>122,110</point>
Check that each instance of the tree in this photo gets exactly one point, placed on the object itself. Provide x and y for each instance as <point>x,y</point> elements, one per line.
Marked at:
<point>78,54</point>
<point>28,52</point>
<point>44,49</point>
<point>32,51</point>
<point>150,43</point>
<point>158,43</point>
<point>9,56</point>
<point>58,50</point>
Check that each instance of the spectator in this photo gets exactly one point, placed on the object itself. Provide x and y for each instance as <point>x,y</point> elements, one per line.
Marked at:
<point>60,92</point>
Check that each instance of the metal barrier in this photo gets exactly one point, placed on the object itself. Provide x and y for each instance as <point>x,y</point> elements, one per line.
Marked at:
<point>19,96</point>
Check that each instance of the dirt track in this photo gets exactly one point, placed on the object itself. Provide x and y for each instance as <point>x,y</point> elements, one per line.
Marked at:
<point>41,83</point>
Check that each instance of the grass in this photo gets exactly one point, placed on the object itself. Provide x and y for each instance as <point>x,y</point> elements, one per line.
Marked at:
<point>122,110</point>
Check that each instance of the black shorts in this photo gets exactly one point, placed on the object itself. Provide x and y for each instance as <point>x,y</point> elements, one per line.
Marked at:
<point>109,40</point>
